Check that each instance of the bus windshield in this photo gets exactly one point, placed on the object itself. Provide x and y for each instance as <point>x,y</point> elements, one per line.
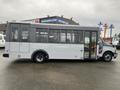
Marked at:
<point>105,43</point>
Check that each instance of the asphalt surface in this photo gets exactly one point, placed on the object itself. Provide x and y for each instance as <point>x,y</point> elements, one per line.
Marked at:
<point>59,75</point>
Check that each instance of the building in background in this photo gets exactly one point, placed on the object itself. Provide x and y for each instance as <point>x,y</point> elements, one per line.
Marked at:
<point>53,20</point>
<point>48,19</point>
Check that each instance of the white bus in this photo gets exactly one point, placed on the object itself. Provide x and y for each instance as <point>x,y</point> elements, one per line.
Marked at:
<point>40,42</point>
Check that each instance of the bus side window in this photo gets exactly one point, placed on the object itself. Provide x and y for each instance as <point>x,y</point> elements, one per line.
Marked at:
<point>53,36</point>
<point>77,37</point>
<point>62,36</point>
<point>14,34</point>
<point>24,34</point>
<point>69,36</point>
<point>42,35</point>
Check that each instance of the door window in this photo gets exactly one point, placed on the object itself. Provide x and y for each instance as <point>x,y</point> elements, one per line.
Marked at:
<point>87,45</point>
<point>93,44</point>
<point>90,47</point>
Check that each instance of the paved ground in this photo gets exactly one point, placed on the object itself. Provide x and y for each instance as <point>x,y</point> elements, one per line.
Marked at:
<point>59,75</point>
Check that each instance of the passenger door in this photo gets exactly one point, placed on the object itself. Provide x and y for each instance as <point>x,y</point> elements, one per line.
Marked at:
<point>90,45</point>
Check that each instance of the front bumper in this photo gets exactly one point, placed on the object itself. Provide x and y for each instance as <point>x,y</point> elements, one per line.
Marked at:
<point>115,55</point>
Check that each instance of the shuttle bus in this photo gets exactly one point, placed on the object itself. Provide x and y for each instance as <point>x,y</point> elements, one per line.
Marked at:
<point>40,42</point>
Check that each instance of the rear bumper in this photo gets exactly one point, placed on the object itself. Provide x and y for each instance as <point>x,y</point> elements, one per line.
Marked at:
<point>115,55</point>
<point>6,55</point>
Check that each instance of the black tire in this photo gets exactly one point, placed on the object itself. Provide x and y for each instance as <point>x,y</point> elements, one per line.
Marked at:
<point>39,57</point>
<point>107,57</point>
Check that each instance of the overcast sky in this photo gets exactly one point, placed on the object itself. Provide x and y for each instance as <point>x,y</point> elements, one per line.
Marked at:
<point>86,12</point>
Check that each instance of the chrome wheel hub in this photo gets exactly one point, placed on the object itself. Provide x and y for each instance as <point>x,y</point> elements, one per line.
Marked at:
<point>107,57</point>
<point>39,58</point>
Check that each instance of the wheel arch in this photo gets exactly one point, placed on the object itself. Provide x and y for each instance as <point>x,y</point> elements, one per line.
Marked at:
<point>40,51</point>
<point>108,52</point>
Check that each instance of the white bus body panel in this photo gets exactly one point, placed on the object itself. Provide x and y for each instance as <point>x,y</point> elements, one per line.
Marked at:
<point>55,51</point>
<point>60,51</point>
<point>24,47</point>
<point>14,47</point>
<point>15,51</point>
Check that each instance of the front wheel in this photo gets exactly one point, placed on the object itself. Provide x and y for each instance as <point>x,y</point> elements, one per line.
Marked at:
<point>39,57</point>
<point>107,57</point>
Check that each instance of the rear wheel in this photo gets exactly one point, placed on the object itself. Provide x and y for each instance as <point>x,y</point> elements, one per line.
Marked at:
<point>39,57</point>
<point>107,57</point>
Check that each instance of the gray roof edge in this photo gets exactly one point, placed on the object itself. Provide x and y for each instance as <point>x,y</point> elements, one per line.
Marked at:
<point>59,25</point>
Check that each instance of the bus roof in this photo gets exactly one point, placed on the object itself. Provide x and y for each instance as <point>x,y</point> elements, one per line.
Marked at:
<point>58,26</point>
